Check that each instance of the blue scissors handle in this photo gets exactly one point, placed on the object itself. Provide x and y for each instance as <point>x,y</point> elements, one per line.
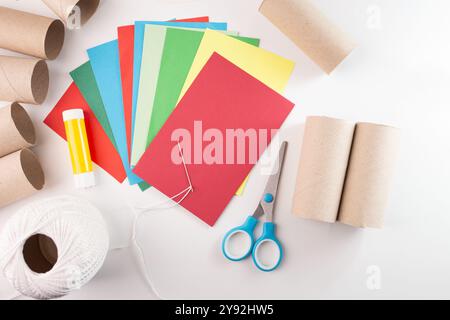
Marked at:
<point>267,242</point>
<point>246,229</point>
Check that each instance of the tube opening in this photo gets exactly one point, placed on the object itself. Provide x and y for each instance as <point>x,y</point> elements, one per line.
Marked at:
<point>32,169</point>
<point>40,253</point>
<point>40,81</point>
<point>23,123</point>
<point>86,8</point>
<point>54,39</point>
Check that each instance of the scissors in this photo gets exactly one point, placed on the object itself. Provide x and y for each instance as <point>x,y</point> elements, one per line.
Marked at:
<point>267,240</point>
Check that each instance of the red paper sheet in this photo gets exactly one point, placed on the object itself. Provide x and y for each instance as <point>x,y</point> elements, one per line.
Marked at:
<point>126,54</point>
<point>223,97</point>
<point>102,150</point>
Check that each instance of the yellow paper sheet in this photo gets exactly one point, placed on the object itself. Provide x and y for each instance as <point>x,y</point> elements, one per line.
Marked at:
<point>269,68</point>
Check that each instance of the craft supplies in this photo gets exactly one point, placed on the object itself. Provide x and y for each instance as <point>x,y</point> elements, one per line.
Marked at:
<point>23,80</point>
<point>345,171</point>
<point>223,97</point>
<point>73,12</point>
<point>52,247</point>
<point>302,22</point>
<point>16,129</point>
<point>102,149</point>
<point>30,34</point>
<point>159,55</point>
<point>78,143</point>
<point>21,175</point>
<point>267,241</point>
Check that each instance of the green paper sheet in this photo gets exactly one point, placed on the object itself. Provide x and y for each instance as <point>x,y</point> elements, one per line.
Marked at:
<point>83,76</point>
<point>154,39</point>
<point>179,51</point>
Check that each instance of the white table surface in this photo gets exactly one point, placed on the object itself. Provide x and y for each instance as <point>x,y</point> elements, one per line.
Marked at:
<point>398,75</point>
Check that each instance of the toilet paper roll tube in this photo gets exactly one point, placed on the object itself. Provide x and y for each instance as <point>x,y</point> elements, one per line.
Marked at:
<point>16,129</point>
<point>323,163</point>
<point>23,80</point>
<point>68,9</point>
<point>31,34</point>
<point>310,30</point>
<point>21,175</point>
<point>370,171</point>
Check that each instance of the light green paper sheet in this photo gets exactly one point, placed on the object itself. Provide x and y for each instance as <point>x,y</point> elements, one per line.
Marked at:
<point>154,39</point>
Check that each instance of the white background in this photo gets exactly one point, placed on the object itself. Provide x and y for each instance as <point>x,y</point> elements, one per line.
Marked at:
<point>398,75</point>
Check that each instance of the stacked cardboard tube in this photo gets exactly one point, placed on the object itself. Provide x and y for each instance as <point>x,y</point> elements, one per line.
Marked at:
<point>345,171</point>
<point>26,80</point>
<point>21,174</point>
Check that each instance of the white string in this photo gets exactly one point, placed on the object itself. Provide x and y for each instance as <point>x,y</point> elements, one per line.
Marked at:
<point>138,211</point>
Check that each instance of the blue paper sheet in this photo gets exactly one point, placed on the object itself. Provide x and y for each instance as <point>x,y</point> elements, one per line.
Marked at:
<point>139,31</point>
<point>106,66</point>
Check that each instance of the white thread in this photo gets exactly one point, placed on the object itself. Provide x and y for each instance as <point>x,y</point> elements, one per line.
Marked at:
<point>144,210</point>
<point>79,233</point>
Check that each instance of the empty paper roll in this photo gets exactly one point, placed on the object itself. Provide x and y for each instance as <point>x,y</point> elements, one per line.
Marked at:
<point>23,80</point>
<point>21,175</point>
<point>323,163</point>
<point>30,34</point>
<point>370,171</point>
<point>73,12</point>
<point>310,30</point>
<point>16,129</point>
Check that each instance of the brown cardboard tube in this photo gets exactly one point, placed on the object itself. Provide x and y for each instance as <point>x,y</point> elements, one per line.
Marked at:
<point>23,80</point>
<point>310,30</point>
<point>16,129</point>
<point>21,175</point>
<point>65,9</point>
<point>371,167</point>
<point>31,34</point>
<point>322,168</point>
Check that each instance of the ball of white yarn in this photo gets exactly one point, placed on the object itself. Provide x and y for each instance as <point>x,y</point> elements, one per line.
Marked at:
<point>81,238</point>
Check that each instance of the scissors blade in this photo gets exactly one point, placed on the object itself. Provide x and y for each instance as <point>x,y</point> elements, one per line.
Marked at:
<point>259,212</point>
<point>273,183</point>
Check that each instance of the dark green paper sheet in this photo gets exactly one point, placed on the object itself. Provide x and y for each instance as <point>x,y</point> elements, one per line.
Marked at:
<point>83,76</point>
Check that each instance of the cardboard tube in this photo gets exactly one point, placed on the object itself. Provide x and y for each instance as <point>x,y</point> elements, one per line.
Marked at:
<point>21,175</point>
<point>16,129</point>
<point>371,167</point>
<point>310,30</point>
<point>323,164</point>
<point>23,80</point>
<point>30,34</point>
<point>68,9</point>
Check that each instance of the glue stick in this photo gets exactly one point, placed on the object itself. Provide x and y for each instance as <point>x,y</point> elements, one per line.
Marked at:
<point>80,155</point>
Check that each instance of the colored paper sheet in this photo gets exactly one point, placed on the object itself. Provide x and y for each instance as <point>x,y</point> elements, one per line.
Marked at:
<point>103,152</point>
<point>223,97</point>
<point>125,38</point>
<point>106,67</point>
<point>152,52</point>
<point>139,31</point>
<point>83,76</point>
<point>126,52</point>
<point>264,65</point>
<point>179,51</point>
